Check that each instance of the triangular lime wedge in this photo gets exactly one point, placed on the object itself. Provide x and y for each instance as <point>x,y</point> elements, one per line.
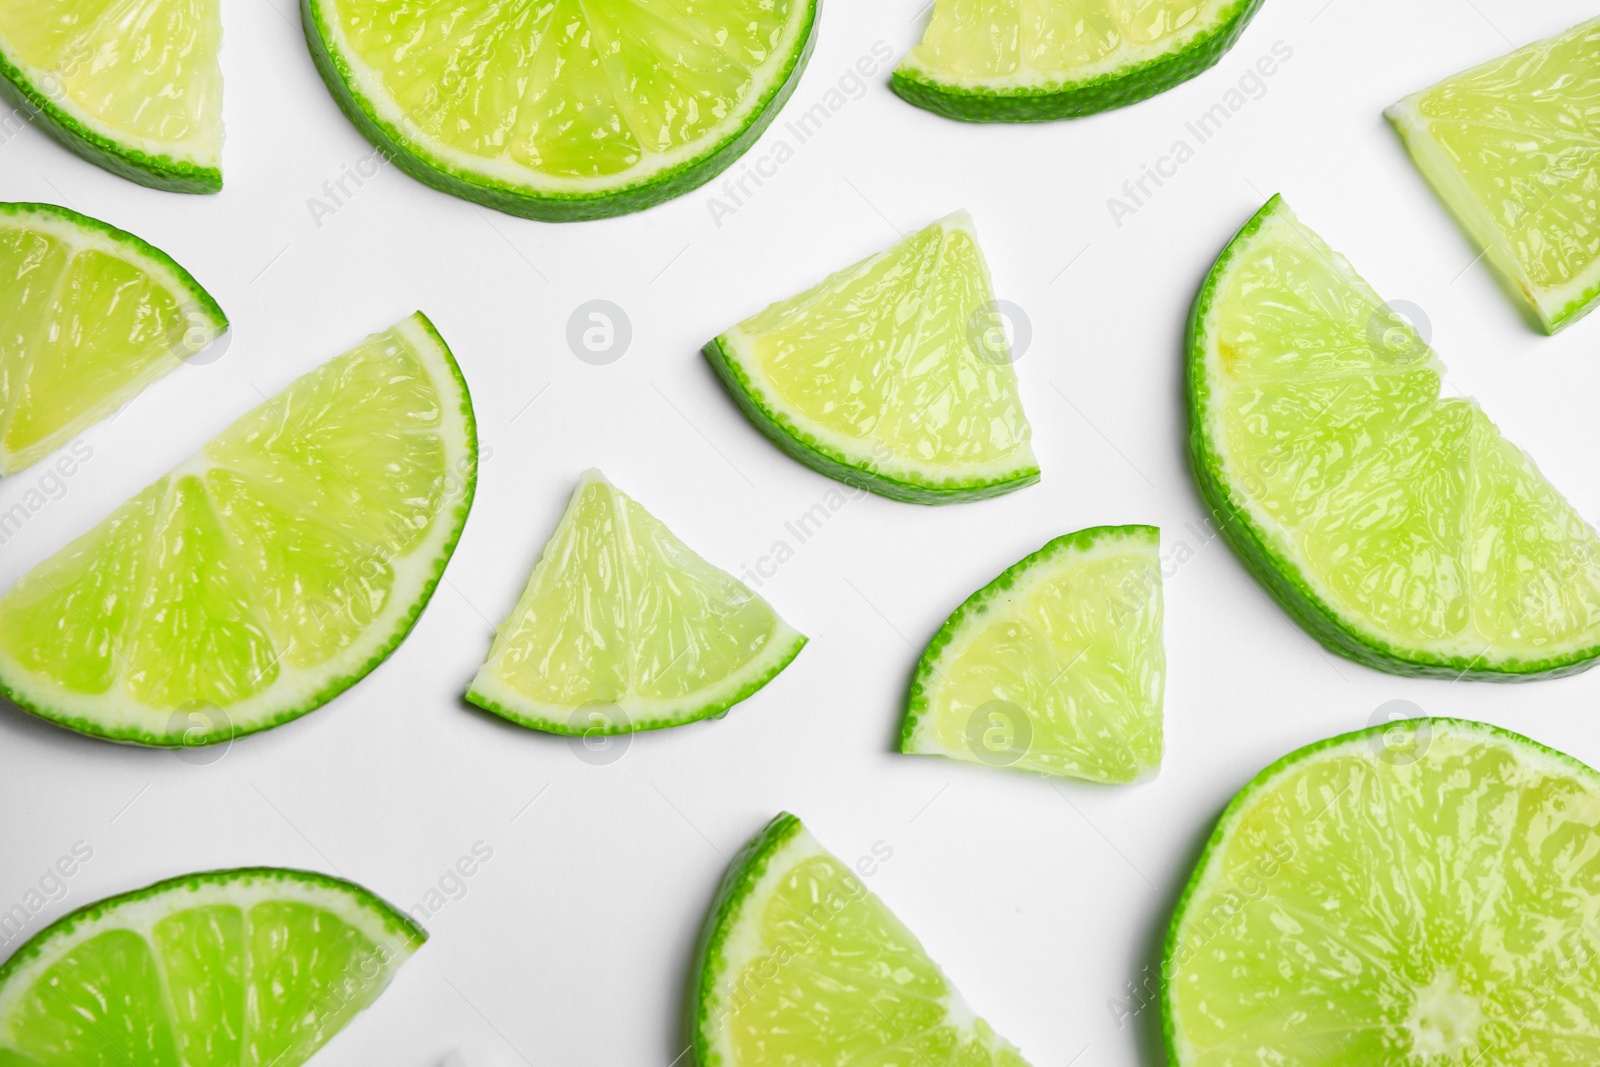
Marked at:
<point>622,627</point>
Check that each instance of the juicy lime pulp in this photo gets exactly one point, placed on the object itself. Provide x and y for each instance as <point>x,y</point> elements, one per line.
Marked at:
<point>1019,61</point>
<point>1512,148</point>
<point>1056,666</point>
<point>1398,526</point>
<point>131,85</point>
<point>622,627</point>
<point>798,963</point>
<point>893,375</point>
<point>257,967</point>
<point>565,110</point>
<point>1419,893</point>
<point>89,316</point>
<point>266,574</point>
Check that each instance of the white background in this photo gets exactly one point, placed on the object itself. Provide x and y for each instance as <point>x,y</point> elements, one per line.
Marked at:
<point>1041,900</point>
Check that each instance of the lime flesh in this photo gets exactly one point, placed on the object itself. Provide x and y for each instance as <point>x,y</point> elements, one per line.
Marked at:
<point>90,315</point>
<point>1513,147</point>
<point>1034,60</point>
<point>622,627</point>
<point>1396,524</point>
<point>800,964</point>
<point>893,375</point>
<point>1056,666</point>
<point>564,110</point>
<point>256,967</point>
<point>268,573</point>
<point>1420,894</point>
<point>132,85</point>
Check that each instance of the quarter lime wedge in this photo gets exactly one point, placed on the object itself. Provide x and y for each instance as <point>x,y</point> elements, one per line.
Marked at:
<point>131,85</point>
<point>1512,148</point>
<point>1035,60</point>
<point>1397,525</point>
<point>266,574</point>
<point>622,627</point>
<point>800,964</point>
<point>1416,894</point>
<point>563,110</point>
<point>89,315</point>
<point>257,967</point>
<point>893,375</point>
<point>1056,666</point>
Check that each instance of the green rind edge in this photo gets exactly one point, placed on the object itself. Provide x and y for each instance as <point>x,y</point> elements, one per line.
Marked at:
<point>745,872</point>
<point>1260,782</point>
<point>393,919</point>
<point>715,709</point>
<point>402,630</point>
<point>1114,89</point>
<point>513,200</point>
<point>825,460</point>
<point>976,605</point>
<point>1281,577</point>
<point>157,172</point>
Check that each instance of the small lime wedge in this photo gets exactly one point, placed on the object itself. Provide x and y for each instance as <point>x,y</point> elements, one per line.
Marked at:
<point>800,964</point>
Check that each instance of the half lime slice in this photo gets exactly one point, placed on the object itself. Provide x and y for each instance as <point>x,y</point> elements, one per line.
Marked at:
<point>565,110</point>
<point>1512,147</point>
<point>1397,525</point>
<point>893,375</point>
<point>131,85</point>
<point>89,315</point>
<point>799,963</point>
<point>266,574</point>
<point>1016,61</point>
<point>1056,666</point>
<point>1419,893</point>
<point>622,627</point>
<point>257,966</point>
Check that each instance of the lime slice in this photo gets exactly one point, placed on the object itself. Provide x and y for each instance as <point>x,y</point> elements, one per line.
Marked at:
<point>800,964</point>
<point>131,85</point>
<point>1396,525</point>
<point>1512,148</point>
<point>564,110</point>
<point>268,573</point>
<point>258,967</point>
<point>892,375</point>
<point>1418,894</point>
<point>622,627</point>
<point>90,316</point>
<point>1016,61</point>
<point>1056,666</point>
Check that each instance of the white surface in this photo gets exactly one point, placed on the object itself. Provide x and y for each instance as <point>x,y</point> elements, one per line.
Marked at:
<point>1041,901</point>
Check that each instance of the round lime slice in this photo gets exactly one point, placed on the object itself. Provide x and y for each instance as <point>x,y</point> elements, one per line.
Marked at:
<point>1056,666</point>
<point>1512,148</point>
<point>1015,61</point>
<point>1420,893</point>
<point>622,627</point>
<point>91,316</point>
<point>893,375</point>
<point>257,966</point>
<point>799,963</point>
<point>565,110</point>
<point>264,575</point>
<point>131,85</point>
<point>1397,525</point>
